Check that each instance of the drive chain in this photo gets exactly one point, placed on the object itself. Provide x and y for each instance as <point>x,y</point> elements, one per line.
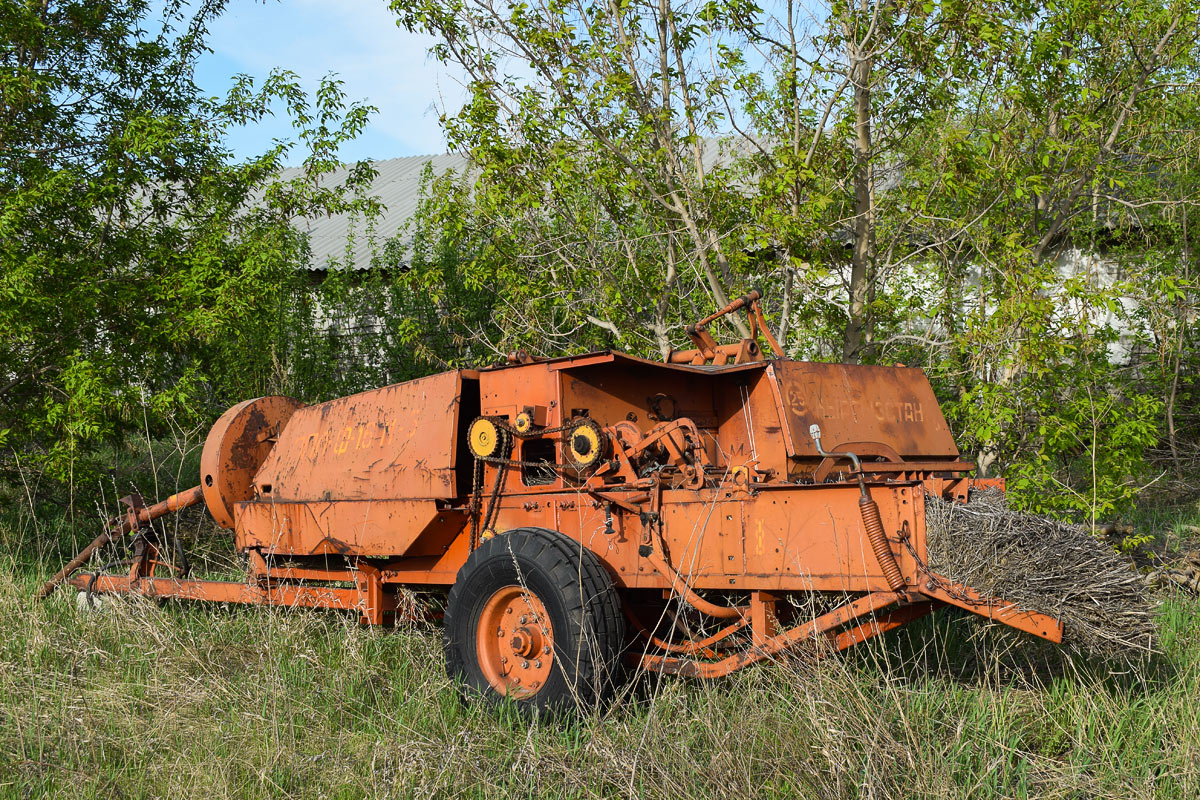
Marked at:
<point>508,434</point>
<point>933,582</point>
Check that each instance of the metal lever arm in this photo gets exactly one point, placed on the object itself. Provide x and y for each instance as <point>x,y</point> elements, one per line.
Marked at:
<point>740,303</point>
<point>120,526</point>
<point>708,351</point>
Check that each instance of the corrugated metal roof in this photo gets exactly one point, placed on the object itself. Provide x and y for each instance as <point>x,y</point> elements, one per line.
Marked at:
<point>398,187</point>
<point>595,357</point>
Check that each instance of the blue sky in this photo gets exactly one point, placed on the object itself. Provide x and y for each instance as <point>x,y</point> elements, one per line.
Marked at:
<point>359,40</point>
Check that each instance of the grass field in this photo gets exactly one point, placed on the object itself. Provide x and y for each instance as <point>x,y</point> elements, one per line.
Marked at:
<point>178,701</point>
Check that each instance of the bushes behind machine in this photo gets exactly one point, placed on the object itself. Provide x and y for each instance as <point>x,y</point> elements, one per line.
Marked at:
<point>1043,565</point>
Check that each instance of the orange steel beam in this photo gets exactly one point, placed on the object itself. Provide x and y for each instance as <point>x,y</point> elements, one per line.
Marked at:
<point>367,578</point>
<point>776,644</point>
<point>370,587</point>
<point>763,622</point>
<point>736,305</point>
<point>119,526</point>
<point>885,622</point>
<point>231,592</point>
<point>956,594</point>
<point>693,647</point>
<point>766,330</point>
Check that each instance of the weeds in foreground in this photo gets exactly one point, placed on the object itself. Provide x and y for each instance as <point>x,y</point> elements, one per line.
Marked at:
<point>193,701</point>
<point>148,701</point>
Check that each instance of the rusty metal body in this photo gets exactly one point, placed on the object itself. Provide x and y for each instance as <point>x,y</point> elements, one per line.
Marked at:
<point>696,484</point>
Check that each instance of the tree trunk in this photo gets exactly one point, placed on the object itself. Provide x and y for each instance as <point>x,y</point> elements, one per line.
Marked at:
<point>857,326</point>
<point>1180,327</point>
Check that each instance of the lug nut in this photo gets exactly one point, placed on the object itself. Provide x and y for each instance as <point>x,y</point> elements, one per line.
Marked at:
<point>546,650</point>
<point>537,664</point>
<point>500,632</point>
<point>524,665</point>
<point>524,619</point>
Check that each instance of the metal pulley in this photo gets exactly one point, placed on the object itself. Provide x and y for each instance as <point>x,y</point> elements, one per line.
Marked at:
<point>485,438</point>
<point>524,423</point>
<point>236,448</point>
<point>585,444</point>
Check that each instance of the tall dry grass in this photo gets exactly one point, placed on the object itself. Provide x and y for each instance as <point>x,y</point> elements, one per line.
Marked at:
<point>208,702</point>
<point>188,701</point>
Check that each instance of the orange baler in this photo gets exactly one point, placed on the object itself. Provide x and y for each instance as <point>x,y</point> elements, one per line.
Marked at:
<point>690,516</point>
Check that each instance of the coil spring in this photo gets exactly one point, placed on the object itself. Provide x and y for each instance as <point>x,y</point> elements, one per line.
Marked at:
<point>879,543</point>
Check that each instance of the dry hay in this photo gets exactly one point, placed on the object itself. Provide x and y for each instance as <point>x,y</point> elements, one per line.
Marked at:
<point>1041,564</point>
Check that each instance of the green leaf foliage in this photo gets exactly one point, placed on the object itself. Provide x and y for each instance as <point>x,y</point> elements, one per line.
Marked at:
<point>144,271</point>
<point>988,190</point>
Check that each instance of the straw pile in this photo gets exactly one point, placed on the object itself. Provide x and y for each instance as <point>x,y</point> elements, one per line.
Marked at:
<point>1043,565</point>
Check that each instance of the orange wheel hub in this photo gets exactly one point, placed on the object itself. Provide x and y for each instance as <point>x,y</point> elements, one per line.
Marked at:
<point>514,643</point>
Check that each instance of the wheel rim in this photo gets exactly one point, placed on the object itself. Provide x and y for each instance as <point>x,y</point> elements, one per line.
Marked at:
<point>514,643</point>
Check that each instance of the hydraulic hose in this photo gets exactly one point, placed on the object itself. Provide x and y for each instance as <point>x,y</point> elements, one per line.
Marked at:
<point>868,509</point>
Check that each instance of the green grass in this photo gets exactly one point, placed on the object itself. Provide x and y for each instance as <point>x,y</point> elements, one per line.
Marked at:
<point>187,701</point>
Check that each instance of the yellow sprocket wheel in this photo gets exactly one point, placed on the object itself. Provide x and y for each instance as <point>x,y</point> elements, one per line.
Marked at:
<point>484,438</point>
<point>585,444</point>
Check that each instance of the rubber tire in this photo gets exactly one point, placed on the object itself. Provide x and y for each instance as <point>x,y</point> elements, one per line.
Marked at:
<point>580,599</point>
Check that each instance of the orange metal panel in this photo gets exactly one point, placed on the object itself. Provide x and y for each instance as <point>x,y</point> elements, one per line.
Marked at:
<point>375,528</point>
<point>882,623</point>
<point>430,570</point>
<point>611,392</point>
<point>749,430</point>
<point>504,392</point>
<point>794,538</point>
<point>804,538</point>
<point>396,442</point>
<point>705,539</point>
<point>852,403</point>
